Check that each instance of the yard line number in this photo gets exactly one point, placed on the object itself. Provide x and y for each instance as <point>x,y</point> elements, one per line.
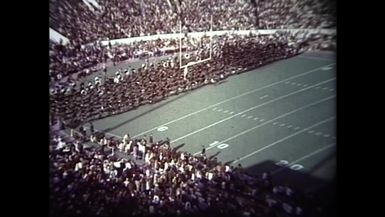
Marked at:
<point>285,163</point>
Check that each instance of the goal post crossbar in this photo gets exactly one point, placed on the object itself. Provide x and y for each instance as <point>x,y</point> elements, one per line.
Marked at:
<point>180,47</point>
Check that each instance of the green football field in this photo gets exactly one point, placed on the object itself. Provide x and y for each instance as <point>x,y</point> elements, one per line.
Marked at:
<point>280,117</point>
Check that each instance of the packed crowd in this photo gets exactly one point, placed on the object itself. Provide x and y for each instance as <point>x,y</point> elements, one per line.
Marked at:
<point>73,58</point>
<point>75,61</point>
<point>69,59</point>
<point>296,14</point>
<point>122,19</point>
<point>226,15</point>
<point>94,181</point>
<point>130,88</point>
<point>85,23</point>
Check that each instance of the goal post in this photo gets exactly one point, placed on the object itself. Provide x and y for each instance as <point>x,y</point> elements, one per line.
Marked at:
<point>181,35</point>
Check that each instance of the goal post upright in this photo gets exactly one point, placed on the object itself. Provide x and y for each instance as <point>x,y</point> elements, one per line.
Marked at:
<point>180,44</point>
<point>211,34</point>
<point>185,67</point>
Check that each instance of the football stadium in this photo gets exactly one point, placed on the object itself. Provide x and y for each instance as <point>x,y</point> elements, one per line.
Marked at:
<point>192,108</point>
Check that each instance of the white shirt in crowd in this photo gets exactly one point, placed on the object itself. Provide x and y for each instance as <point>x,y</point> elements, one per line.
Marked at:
<point>189,167</point>
<point>155,178</point>
<point>147,158</point>
<point>128,147</point>
<point>137,185</point>
<point>172,163</point>
<point>171,199</point>
<point>101,141</point>
<point>61,145</point>
<point>101,92</point>
<point>210,175</point>
<point>141,148</point>
<point>156,165</point>
<point>78,166</point>
<point>93,138</point>
<point>117,164</point>
<point>113,173</point>
<point>156,199</point>
<point>177,192</point>
<point>181,168</point>
<point>77,146</point>
<point>227,168</point>
<point>121,146</point>
<point>198,174</point>
<point>128,165</point>
<point>106,168</point>
<point>125,137</point>
<point>126,182</point>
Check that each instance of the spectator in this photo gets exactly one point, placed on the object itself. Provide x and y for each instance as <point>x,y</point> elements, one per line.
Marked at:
<point>92,130</point>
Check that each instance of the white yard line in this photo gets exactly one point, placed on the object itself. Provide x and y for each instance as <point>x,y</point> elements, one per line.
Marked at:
<point>232,98</point>
<point>272,120</point>
<point>281,140</point>
<point>249,109</point>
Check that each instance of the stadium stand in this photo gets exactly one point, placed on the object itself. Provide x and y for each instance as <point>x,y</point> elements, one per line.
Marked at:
<point>131,88</point>
<point>166,182</point>
<point>122,19</point>
<point>89,176</point>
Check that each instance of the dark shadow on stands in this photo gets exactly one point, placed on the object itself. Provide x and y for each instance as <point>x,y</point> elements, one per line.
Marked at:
<point>161,104</point>
<point>283,175</point>
<point>178,147</point>
<point>228,162</point>
<point>212,156</point>
<point>322,190</point>
<point>329,157</point>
